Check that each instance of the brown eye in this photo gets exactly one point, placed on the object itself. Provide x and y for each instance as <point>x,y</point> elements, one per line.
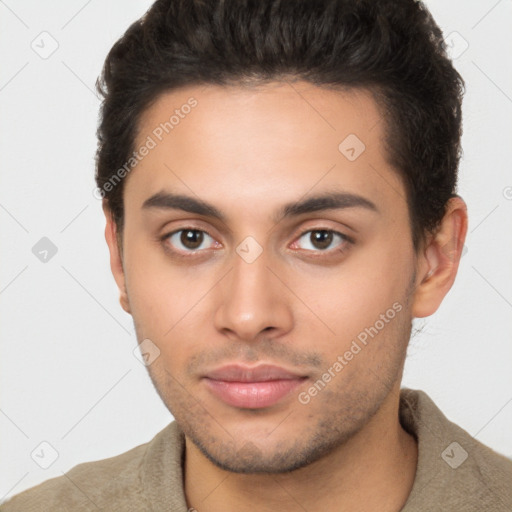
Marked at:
<point>188,240</point>
<point>322,239</point>
<point>191,239</point>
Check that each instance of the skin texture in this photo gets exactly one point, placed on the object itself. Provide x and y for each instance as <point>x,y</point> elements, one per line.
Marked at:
<point>298,305</point>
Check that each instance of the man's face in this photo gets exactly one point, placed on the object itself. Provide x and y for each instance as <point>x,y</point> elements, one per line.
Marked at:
<point>223,298</point>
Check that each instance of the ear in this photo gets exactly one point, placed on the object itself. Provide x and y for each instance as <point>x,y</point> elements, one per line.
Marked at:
<point>116,258</point>
<point>439,259</point>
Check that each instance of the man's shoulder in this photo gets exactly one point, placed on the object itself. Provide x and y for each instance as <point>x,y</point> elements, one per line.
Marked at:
<point>84,486</point>
<point>479,472</point>
<point>455,470</point>
<point>114,483</point>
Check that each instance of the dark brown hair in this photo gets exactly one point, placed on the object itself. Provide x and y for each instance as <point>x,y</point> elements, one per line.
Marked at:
<point>393,48</point>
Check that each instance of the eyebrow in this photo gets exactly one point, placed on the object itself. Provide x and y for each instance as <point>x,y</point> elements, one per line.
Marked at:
<point>325,201</point>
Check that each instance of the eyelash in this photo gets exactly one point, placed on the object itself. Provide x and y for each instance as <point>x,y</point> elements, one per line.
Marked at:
<point>345,243</point>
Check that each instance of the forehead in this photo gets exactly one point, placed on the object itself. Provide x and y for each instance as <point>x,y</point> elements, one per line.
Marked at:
<point>292,112</point>
<point>245,143</point>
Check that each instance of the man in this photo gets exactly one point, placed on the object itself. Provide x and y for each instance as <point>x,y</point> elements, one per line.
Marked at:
<point>278,181</point>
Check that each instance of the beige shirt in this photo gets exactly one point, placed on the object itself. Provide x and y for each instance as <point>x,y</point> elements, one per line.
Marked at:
<point>454,473</point>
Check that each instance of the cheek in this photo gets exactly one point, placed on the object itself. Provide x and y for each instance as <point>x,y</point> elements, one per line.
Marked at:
<point>353,297</point>
<point>167,304</point>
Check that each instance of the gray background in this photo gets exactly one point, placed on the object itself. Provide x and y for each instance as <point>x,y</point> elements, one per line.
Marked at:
<point>69,378</point>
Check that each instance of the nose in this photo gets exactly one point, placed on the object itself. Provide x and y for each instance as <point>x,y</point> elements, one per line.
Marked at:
<point>252,300</point>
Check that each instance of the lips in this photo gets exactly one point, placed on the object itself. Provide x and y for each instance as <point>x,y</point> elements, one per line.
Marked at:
<point>252,387</point>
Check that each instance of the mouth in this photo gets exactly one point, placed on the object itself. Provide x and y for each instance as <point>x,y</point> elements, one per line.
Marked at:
<point>252,387</point>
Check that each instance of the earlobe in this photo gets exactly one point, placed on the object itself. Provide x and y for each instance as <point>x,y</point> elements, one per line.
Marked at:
<point>440,259</point>
<point>116,259</point>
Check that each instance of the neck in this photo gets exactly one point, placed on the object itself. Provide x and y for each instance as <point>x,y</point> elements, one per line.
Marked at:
<point>374,470</point>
